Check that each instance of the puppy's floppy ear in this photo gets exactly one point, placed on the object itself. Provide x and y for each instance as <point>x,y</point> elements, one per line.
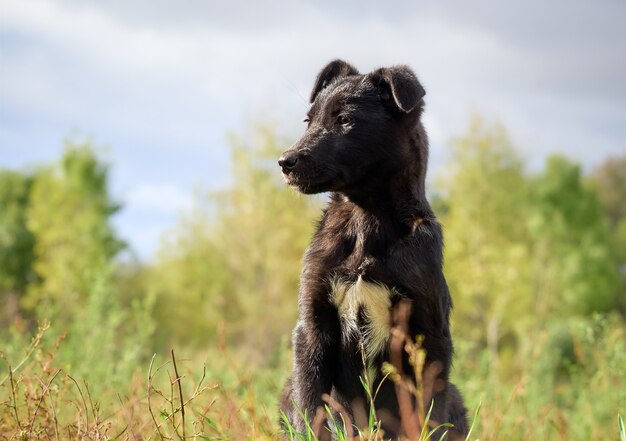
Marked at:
<point>400,84</point>
<point>334,69</point>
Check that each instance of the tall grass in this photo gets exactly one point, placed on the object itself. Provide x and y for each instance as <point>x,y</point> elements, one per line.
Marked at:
<point>223,394</point>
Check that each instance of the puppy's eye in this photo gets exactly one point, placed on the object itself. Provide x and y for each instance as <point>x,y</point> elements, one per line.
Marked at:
<point>343,120</point>
<point>306,120</point>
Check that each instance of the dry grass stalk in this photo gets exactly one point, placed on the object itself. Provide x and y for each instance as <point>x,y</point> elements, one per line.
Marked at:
<point>45,388</point>
<point>180,392</point>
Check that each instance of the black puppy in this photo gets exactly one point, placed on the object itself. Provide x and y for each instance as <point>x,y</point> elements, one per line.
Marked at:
<point>378,243</point>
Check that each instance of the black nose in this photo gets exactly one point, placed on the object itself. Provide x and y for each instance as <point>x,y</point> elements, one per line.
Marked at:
<point>288,162</point>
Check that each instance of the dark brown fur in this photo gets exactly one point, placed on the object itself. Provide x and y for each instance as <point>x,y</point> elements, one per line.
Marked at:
<point>366,145</point>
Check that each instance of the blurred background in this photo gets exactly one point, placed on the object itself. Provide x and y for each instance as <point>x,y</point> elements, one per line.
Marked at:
<point>142,209</point>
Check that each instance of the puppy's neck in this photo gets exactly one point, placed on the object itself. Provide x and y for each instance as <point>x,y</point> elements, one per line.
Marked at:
<point>396,206</point>
<point>397,196</point>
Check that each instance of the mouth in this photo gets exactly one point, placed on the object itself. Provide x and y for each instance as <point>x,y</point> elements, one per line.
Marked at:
<point>308,185</point>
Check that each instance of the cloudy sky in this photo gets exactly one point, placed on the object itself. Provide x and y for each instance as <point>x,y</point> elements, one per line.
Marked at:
<point>161,83</point>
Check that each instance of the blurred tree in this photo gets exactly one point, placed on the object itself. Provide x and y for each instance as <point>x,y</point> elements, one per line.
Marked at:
<point>69,215</point>
<point>575,258</point>
<point>487,253</point>
<point>236,258</point>
<point>610,181</point>
<point>16,241</point>
<point>523,251</point>
<point>192,284</point>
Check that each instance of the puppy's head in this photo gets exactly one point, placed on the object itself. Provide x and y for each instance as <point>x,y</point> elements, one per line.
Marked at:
<point>356,127</point>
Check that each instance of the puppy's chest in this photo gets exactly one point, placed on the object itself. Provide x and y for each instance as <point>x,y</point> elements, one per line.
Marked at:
<point>364,310</point>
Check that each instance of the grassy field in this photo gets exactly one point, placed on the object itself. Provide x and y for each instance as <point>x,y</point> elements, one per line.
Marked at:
<point>227,395</point>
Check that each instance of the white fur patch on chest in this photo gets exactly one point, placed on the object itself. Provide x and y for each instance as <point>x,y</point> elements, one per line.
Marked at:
<point>374,300</point>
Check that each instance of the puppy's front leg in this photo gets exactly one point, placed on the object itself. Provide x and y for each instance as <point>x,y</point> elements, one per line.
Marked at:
<point>315,348</point>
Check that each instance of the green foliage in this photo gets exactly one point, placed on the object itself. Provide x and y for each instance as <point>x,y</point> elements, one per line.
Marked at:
<point>68,214</point>
<point>16,240</point>
<point>114,341</point>
<point>552,396</point>
<point>522,250</point>
<point>487,252</point>
<point>610,181</point>
<point>62,212</point>
<point>104,345</point>
<point>568,221</point>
